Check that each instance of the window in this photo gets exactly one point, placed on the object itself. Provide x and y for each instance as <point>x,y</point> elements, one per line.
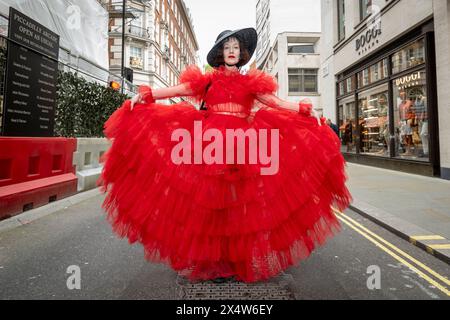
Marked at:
<point>350,85</point>
<point>378,71</point>
<point>346,86</point>
<point>409,57</point>
<point>341,19</point>
<point>374,73</point>
<point>374,121</point>
<point>136,52</point>
<point>136,57</point>
<point>157,27</point>
<point>411,117</point>
<point>302,80</point>
<point>301,48</point>
<point>157,64</point>
<point>364,8</point>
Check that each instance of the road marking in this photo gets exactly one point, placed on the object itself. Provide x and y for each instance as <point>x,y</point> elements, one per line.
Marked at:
<point>369,235</point>
<point>420,264</point>
<point>439,246</point>
<point>435,237</point>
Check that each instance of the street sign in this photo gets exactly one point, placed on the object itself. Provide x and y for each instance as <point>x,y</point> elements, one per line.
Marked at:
<point>31,78</point>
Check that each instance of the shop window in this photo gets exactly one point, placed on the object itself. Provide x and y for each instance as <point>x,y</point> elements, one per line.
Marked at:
<point>373,121</point>
<point>411,117</point>
<point>346,86</point>
<point>350,85</point>
<point>347,125</point>
<point>363,78</point>
<point>341,88</point>
<point>378,71</point>
<point>374,73</point>
<point>409,57</point>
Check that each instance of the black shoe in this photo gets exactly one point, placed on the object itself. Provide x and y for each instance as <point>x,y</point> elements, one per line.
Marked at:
<point>221,280</point>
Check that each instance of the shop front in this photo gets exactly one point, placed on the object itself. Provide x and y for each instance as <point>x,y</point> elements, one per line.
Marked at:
<point>387,106</point>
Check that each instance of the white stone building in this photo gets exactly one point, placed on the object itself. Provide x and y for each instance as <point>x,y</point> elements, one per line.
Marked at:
<point>294,60</point>
<point>277,16</point>
<point>385,74</point>
<point>159,40</point>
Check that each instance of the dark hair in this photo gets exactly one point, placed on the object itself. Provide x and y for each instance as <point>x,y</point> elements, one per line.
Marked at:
<point>244,55</point>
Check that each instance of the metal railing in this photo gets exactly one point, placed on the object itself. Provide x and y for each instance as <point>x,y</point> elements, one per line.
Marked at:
<point>138,31</point>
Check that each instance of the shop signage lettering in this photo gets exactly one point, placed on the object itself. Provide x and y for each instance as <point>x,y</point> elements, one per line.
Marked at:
<point>368,37</point>
<point>406,80</point>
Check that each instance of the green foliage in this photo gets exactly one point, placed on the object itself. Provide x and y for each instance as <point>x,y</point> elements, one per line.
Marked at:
<point>83,106</point>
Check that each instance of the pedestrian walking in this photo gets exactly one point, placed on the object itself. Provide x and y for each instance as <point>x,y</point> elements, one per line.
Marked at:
<point>333,126</point>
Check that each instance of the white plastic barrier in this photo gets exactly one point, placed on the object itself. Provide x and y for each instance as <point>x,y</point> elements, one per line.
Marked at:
<point>86,161</point>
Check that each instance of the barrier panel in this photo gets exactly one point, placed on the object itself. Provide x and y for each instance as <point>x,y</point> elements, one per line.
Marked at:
<point>34,172</point>
<point>87,161</point>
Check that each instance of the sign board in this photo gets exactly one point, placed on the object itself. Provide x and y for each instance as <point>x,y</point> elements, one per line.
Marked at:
<point>31,78</point>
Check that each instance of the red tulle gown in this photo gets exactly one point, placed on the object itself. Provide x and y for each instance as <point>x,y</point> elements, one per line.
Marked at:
<point>222,220</point>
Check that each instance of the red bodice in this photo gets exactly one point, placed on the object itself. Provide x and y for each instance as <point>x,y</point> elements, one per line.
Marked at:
<point>229,92</point>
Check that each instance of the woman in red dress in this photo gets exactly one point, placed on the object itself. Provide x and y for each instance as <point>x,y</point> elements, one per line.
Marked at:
<point>169,187</point>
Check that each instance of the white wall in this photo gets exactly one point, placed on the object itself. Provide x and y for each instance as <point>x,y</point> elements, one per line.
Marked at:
<point>394,22</point>
<point>328,88</point>
<point>286,61</point>
<point>442,34</point>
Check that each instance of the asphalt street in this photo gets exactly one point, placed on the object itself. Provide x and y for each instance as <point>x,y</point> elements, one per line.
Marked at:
<point>364,261</point>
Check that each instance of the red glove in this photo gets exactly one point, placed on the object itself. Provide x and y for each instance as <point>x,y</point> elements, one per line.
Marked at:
<point>146,93</point>
<point>305,108</point>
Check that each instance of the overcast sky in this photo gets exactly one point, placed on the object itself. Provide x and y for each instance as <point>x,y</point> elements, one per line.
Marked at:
<point>211,17</point>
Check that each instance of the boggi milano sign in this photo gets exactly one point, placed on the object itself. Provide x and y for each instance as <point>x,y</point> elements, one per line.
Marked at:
<point>368,39</point>
<point>408,81</point>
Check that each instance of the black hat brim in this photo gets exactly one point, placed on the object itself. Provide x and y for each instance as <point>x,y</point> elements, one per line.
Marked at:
<point>247,36</point>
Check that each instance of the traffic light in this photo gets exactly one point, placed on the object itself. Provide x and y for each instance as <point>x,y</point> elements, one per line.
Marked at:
<point>114,85</point>
<point>128,74</point>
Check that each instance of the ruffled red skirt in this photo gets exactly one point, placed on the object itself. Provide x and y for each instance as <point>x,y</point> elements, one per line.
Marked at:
<point>220,220</point>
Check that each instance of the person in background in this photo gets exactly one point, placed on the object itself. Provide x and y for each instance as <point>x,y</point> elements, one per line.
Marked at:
<point>333,126</point>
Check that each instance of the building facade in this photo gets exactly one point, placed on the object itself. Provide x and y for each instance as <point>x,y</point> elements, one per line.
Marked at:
<point>294,60</point>
<point>277,16</point>
<point>159,40</point>
<point>385,73</point>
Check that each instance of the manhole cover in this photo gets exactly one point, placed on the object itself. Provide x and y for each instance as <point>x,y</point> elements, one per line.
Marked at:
<point>275,289</point>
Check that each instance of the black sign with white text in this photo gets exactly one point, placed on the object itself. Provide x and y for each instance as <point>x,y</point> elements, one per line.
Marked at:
<point>31,78</point>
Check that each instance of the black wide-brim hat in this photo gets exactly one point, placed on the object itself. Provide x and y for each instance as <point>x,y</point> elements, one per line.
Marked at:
<point>247,36</point>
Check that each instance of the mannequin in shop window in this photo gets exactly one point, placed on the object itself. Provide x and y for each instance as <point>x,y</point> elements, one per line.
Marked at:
<point>406,122</point>
<point>420,110</point>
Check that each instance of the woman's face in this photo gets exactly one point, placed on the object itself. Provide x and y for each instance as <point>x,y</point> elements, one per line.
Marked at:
<point>231,52</point>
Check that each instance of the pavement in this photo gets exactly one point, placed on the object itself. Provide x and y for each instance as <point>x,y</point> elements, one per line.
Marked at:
<point>416,208</point>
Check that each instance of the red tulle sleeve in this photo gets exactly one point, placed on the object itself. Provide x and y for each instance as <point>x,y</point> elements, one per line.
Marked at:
<point>196,79</point>
<point>261,82</point>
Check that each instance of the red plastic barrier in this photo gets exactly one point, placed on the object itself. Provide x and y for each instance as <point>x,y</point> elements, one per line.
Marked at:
<point>34,172</point>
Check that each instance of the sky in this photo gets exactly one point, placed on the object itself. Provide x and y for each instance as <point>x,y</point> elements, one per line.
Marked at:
<point>211,17</point>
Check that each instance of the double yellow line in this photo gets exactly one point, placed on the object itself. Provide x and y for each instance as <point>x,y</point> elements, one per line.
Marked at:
<point>431,276</point>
